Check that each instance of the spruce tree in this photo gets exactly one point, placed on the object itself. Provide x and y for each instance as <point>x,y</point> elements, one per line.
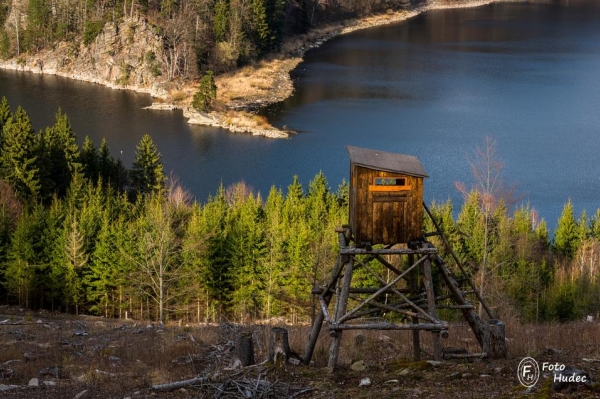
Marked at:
<point>193,286</point>
<point>18,156</point>
<point>216,271</point>
<point>5,115</point>
<point>58,157</point>
<point>89,159</point>
<point>261,33</point>
<point>274,264</point>
<point>39,15</point>
<point>102,276</point>
<point>221,20</point>
<point>147,174</point>
<point>76,259</point>
<point>206,94</point>
<point>247,253</point>
<point>106,163</point>
<point>25,255</point>
<point>566,234</point>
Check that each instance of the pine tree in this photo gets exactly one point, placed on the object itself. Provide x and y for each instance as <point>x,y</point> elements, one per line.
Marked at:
<point>147,174</point>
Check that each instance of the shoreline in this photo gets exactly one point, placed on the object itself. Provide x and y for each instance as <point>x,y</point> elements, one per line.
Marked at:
<point>269,79</point>
<point>283,63</point>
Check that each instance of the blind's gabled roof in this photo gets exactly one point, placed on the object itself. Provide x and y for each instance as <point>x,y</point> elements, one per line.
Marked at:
<point>387,161</point>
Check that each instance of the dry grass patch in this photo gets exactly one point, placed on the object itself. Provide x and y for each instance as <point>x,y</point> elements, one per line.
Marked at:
<point>116,358</point>
<point>243,119</point>
<point>178,96</point>
<point>257,82</point>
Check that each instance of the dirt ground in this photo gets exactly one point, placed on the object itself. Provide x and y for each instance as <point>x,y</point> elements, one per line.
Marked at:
<point>44,355</point>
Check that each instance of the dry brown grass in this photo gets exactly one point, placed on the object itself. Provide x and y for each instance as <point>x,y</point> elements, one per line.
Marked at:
<point>116,358</point>
<point>256,82</point>
<point>242,119</point>
<point>178,96</point>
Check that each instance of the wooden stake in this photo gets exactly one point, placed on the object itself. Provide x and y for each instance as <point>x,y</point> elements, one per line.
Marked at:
<point>342,301</point>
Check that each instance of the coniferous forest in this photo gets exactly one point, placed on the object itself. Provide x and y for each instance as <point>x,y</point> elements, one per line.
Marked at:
<point>82,233</point>
<point>198,35</point>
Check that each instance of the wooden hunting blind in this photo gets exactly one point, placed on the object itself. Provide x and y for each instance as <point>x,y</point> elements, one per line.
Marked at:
<point>386,197</point>
<point>386,207</point>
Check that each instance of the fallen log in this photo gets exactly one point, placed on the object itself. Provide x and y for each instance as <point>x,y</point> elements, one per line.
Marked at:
<point>171,386</point>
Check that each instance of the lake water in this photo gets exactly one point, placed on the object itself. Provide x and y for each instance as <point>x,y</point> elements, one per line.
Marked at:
<point>525,74</point>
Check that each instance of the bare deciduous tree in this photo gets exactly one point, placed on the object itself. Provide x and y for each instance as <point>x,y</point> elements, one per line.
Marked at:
<point>486,169</point>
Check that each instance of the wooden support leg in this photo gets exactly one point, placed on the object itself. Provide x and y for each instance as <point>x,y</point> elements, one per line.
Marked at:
<point>416,338</point>
<point>416,341</point>
<point>314,334</point>
<point>342,302</point>
<point>427,280</point>
<point>318,323</point>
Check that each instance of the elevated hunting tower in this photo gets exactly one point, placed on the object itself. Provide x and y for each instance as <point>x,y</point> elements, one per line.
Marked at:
<point>385,238</point>
<point>386,197</point>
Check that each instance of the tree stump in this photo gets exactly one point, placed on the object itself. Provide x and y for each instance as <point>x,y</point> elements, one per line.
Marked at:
<point>245,349</point>
<point>279,347</point>
<point>495,340</point>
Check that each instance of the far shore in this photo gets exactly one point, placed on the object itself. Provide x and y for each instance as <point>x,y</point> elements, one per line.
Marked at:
<point>242,92</point>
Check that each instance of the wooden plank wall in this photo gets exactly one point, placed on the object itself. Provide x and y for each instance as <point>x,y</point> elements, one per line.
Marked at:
<point>384,217</point>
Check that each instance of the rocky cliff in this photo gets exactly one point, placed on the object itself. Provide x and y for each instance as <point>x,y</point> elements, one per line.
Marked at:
<point>127,54</point>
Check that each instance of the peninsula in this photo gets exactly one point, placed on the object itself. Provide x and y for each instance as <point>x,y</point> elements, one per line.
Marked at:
<point>142,51</point>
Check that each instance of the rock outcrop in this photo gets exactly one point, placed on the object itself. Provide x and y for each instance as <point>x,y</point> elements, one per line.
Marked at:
<point>127,54</point>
